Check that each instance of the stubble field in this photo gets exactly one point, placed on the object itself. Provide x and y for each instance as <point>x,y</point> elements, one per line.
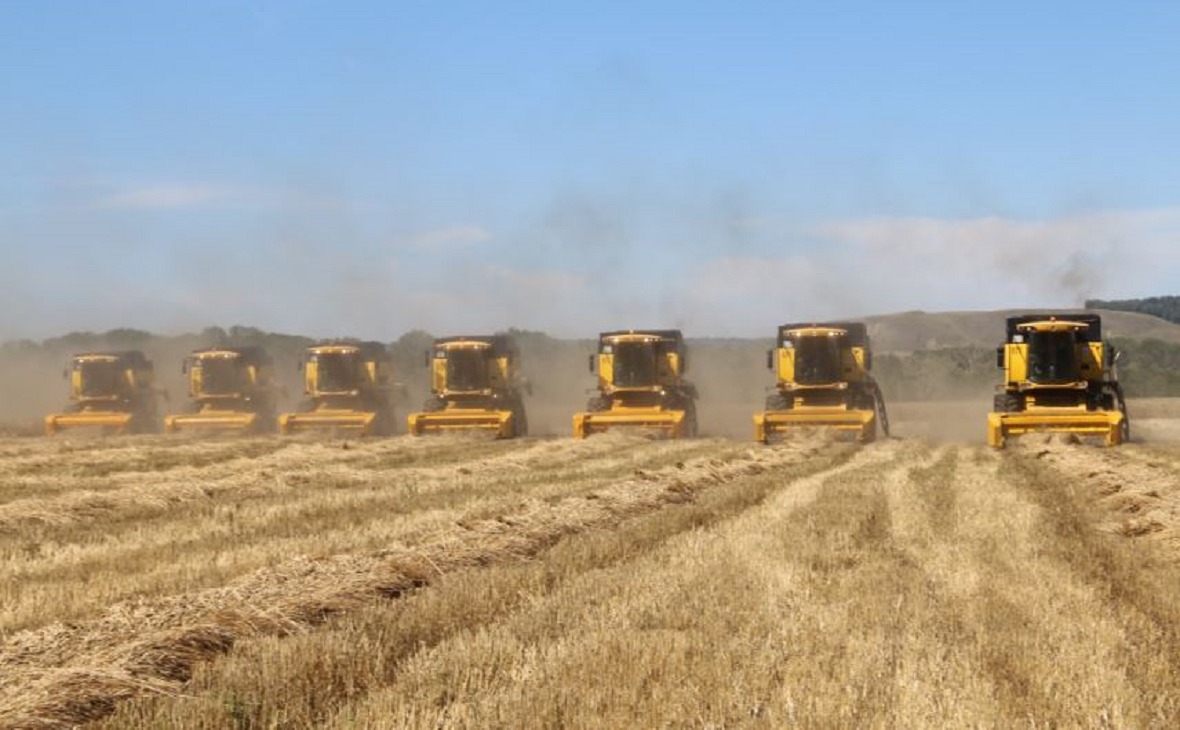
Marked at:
<point>918,581</point>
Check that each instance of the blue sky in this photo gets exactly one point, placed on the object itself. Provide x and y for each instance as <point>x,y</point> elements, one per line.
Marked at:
<point>368,168</point>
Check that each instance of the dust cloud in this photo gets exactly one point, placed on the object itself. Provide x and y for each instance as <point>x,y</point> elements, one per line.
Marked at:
<point>558,374</point>
<point>31,386</point>
<point>732,380</point>
<point>958,421</point>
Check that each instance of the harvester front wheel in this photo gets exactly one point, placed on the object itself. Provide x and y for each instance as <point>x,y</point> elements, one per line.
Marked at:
<point>777,402</point>
<point>520,421</point>
<point>878,406</point>
<point>266,422</point>
<point>691,427</point>
<point>598,404</point>
<point>1120,403</point>
<point>385,423</point>
<point>1006,403</point>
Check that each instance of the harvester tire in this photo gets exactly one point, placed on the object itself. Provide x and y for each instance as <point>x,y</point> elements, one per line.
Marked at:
<point>777,402</point>
<point>597,404</point>
<point>877,404</point>
<point>267,422</point>
<point>434,404</point>
<point>1120,403</point>
<point>691,427</point>
<point>520,421</point>
<point>385,423</point>
<point>1007,403</point>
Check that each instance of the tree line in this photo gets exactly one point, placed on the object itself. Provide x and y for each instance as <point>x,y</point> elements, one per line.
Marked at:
<point>1163,307</point>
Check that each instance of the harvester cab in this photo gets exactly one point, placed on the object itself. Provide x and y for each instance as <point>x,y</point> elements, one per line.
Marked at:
<point>114,391</point>
<point>475,384</point>
<point>1059,376</point>
<point>823,380</point>
<point>230,389</point>
<point>641,383</point>
<point>349,386</point>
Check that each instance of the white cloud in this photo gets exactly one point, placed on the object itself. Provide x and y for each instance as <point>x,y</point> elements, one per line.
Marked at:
<point>158,197</point>
<point>441,238</point>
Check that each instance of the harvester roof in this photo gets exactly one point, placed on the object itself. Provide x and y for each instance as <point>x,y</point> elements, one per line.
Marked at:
<point>134,358</point>
<point>370,350</point>
<point>250,354</point>
<point>857,332</point>
<point>673,336</point>
<point>1091,330</point>
<point>499,344</point>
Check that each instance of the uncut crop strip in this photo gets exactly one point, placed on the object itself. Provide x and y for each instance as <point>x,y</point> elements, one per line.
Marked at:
<point>68,674</point>
<point>1137,486</point>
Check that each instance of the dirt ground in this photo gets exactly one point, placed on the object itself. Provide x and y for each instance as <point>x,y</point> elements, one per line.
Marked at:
<point>923,580</point>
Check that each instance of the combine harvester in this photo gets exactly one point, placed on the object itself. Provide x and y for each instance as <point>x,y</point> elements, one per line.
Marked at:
<point>114,391</point>
<point>1058,377</point>
<point>822,380</point>
<point>230,389</point>
<point>474,385</point>
<point>349,385</point>
<point>641,384</point>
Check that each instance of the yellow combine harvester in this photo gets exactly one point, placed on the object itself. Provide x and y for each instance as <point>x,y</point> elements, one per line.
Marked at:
<point>474,385</point>
<point>640,384</point>
<point>1058,377</point>
<point>230,389</point>
<point>349,385</point>
<point>114,391</point>
<point>822,380</point>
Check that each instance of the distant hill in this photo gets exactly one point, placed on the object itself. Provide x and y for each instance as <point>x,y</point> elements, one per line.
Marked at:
<point>913,331</point>
<point>1163,307</point>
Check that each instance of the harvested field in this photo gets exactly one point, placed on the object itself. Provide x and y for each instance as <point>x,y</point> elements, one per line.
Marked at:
<point>616,581</point>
